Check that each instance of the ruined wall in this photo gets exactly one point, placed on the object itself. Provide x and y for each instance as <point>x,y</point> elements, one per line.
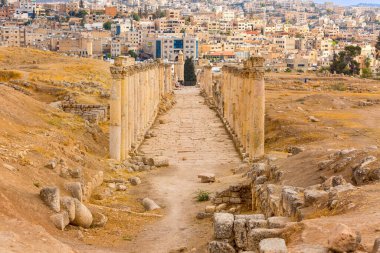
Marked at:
<point>239,97</point>
<point>136,93</point>
<point>92,113</point>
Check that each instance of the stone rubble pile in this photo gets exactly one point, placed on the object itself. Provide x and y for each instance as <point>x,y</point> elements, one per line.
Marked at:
<point>70,209</point>
<point>363,164</point>
<point>298,202</point>
<point>140,162</point>
<point>248,233</point>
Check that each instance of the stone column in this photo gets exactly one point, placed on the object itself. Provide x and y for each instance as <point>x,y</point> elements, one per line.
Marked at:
<point>118,74</point>
<point>257,74</point>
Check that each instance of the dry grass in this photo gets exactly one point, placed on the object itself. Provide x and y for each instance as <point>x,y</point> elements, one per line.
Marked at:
<point>7,75</point>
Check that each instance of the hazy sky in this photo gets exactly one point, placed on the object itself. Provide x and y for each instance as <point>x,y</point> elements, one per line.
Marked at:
<point>349,2</point>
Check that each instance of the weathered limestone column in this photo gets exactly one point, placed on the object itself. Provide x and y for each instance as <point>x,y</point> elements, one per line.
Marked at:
<point>118,74</point>
<point>257,69</point>
<point>208,80</point>
<point>181,66</point>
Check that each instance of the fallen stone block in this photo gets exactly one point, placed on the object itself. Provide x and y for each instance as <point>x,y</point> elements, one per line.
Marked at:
<point>316,197</point>
<point>68,205</point>
<point>252,224</point>
<point>210,209</point>
<point>272,245</point>
<point>50,196</point>
<point>240,231</point>
<point>343,239</point>
<point>158,161</point>
<point>278,222</point>
<point>256,235</point>
<point>221,207</point>
<point>135,180</point>
<point>149,204</point>
<point>75,189</point>
<point>333,181</point>
<point>207,177</point>
<point>220,247</point>
<point>99,219</point>
<point>60,220</point>
<point>204,215</point>
<point>250,216</point>
<point>83,216</point>
<point>223,225</point>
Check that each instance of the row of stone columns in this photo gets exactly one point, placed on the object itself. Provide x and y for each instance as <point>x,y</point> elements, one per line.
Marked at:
<point>242,96</point>
<point>136,92</point>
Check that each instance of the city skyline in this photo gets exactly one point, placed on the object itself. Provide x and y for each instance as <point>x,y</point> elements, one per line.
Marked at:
<point>349,2</point>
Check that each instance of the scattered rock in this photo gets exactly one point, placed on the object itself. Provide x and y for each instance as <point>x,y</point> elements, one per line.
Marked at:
<point>343,239</point>
<point>272,245</point>
<point>75,189</point>
<point>121,187</point>
<point>50,196</point>
<point>333,181</point>
<point>9,167</point>
<point>83,216</point>
<point>220,247</point>
<point>313,119</point>
<point>52,164</point>
<point>295,150</point>
<point>207,177</point>
<point>223,225</point>
<point>203,215</point>
<point>376,246</point>
<point>210,209</point>
<point>99,219</point>
<point>135,180</point>
<point>60,220</point>
<point>76,173</point>
<point>149,204</point>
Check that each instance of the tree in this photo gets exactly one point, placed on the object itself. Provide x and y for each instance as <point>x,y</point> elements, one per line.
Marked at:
<point>189,70</point>
<point>366,71</point>
<point>107,25</point>
<point>135,17</point>
<point>377,46</point>
<point>132,54</point>
<point>81,14</point>
<point>344,62</point>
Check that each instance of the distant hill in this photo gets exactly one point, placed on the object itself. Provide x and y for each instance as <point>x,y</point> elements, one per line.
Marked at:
<point>367,5</point>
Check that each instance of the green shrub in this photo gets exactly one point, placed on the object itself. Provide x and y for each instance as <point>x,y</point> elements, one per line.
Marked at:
<point>202,195</point>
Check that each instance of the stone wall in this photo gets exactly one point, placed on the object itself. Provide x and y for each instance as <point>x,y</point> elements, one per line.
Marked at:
<point>238,95</point>
<point>239,196</point>
<point>92,113</point>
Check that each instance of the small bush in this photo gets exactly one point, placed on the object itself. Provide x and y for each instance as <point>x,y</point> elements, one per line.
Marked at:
<point>288,70</point>
<point>202,195</point>
<point>6,75</point>
<point>339,87</point>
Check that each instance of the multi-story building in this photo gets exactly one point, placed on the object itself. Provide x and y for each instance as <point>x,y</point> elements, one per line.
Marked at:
<point>168,47</point>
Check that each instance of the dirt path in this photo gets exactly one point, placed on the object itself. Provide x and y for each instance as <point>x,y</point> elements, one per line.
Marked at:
<point>195,141</point>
